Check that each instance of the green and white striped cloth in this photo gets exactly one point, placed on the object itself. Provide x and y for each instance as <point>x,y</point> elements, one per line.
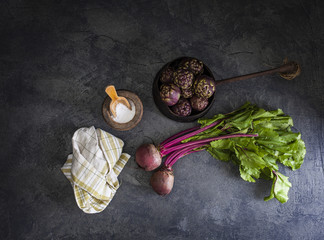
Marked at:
<point>93,168</point>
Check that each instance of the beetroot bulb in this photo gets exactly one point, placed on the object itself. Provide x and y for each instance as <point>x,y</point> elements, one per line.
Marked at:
<point>162,181</point>
<point>148,157</point>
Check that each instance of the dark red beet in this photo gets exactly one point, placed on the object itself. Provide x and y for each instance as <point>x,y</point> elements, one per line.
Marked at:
<point>148,157</point>
<point>162,181</point>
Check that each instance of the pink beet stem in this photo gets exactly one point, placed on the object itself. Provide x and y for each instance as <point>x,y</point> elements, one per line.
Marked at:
<point>177,158</point>
<point>170,157</point>
<point>185,152</point>
<point>178,135</point>
<point>181,151</point>
<point>207,140</point>
<point>177,140</point>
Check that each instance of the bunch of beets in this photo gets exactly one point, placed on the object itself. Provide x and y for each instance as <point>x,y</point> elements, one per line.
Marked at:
<point>250,137</point>
<point>186,88</point>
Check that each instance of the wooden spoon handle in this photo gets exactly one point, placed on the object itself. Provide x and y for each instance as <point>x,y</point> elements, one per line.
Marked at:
<point>286,68</point>
<point>111,91</point>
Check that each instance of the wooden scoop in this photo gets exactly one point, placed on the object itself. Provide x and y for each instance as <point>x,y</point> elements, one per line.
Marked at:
<point>115,99</point>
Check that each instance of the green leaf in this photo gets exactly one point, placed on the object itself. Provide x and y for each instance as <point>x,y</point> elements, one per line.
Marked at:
<point>249,159</point>
<point>245,143</point>
<point>241,121</point>
<point>222,155</point>
<point>278,122</point>
<point>207,121</point>
<point>222,144</point>
<point>294,157</point>
<point>288,137</point>
<point>257,157</point>
<point>266,173</point>
<point>270,162</point>
<point>261,113</point>
<point>280,188</point>
<point>277,112</point>
<point>245,175</point>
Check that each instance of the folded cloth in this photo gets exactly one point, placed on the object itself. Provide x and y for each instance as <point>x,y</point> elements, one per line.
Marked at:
<point>93,168</point>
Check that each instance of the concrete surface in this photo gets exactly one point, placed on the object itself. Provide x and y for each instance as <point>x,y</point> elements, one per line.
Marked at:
<point>57,57</point>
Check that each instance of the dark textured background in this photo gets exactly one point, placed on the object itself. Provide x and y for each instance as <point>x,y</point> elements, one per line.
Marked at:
<point>58,56</point>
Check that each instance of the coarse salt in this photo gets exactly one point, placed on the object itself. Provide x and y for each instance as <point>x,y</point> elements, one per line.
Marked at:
<point>123,114</point>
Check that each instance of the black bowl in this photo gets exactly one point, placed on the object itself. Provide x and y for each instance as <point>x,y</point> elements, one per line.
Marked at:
<point>165,109</point>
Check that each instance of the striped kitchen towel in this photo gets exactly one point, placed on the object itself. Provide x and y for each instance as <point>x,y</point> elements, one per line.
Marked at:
<point>93,167</point>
